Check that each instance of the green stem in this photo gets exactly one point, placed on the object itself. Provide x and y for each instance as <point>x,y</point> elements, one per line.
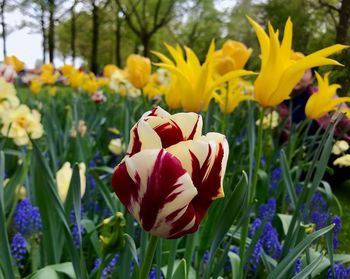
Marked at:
<point>224,113</point>
<point>147,261</point>
<point>257,158</point>
<point>143,245</point>
<point>251,194</point>
<point>171,259</point>
<point>242,247</point>
<point>189,248</point>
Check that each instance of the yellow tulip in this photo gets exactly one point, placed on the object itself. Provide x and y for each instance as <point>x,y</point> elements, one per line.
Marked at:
<point>47,68</point>
<point>53,90</point>
<point>109,69</point>
<point>154,88</point>
<point>138,70</point>
<point>324,100</point>
<point>232,94</point>
<point>17,64</point>
<point>192,85</point>
<point>279,73</point>
<point>89,83</point>
<point>233,56</point>
<point>76,79</point>
<point>35,85</point>
<point>67,70</point>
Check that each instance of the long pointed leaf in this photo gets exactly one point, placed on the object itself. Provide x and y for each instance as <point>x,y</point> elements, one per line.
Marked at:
<point>283,267</point>
<point>5,254</point>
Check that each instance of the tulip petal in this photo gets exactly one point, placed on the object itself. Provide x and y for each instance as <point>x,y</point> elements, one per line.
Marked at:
<point>205,160</point>
<point>157,191</point>
<point>177,127</point>
<point>158,111</point>
<point>142,136</point>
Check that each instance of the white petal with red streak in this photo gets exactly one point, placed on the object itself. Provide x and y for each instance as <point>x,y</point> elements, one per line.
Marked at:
<point>158,111</point>
<point>220,139</point>
<point>187,122</point>
<point>148,138</point>
<point>141,165</point>
<point>199,148</point>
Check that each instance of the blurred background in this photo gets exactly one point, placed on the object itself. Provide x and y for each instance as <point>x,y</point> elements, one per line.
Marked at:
<point>93,33</point>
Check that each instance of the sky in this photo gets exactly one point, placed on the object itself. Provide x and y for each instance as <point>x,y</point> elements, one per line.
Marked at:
<point>26,45</point>
<point>23,43</point>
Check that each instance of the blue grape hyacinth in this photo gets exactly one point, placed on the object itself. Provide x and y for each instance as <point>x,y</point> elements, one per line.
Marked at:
<point>18,249</point>
<point>27,218</point>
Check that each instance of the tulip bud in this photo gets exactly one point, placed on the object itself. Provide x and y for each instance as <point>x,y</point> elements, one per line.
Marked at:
<point>112,233</point>
<point>64,176</point>
<point>115,146</point>
<point>138,70</point>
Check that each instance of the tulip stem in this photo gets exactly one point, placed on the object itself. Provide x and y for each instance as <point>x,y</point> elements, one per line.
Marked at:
<point>172,257</point>
<point>257,158</point>
<point>224,113</point>
<point>251,195</point>
<point>148,260</point>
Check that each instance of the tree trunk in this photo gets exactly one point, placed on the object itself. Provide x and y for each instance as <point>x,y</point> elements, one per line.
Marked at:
<point>73,34</point>
<point>43,33</point>
<point>3,26</point>
<point>95,38</point>
<point>342,38</point>
<point>118,37</point>
<point>51,37</point>
<point>145,39</point>
<point>344,21</point>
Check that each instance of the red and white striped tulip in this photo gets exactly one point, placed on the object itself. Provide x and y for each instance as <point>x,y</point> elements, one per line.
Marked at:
<point>171,172</point>
<point>8,72</point>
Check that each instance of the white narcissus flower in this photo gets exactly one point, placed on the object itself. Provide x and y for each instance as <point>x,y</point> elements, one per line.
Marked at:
<point>343,161</point>
<point>171,172</point>
<point>64,176</point>
<point>21,124</point>
<point>8,98</point>
<point>116,146</point>
<point>339,147</point>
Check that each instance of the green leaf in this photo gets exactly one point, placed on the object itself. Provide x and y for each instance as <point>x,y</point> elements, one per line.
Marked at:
<point>106,194</point>
<point>130,245</point>
<point>11,189</point>
<point>92,233</point>
<point>52,271</point>
<point>181,270</point>
<point>5,254</point>
<point>235,261</point>
<point>45,273</point>
<point>342,258</point>
<point>309,268</point>
<point>288,179</point>
<point>289,260</point>
<point>229,214</point>
<point>48,200</point>
<point>285,219</point>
